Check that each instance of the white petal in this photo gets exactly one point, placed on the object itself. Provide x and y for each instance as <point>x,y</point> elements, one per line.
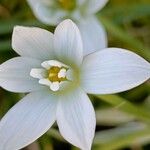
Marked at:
<point>70,74</point>
<point>27,120</point>
<point>113,70</point>
<point>33,42</point>
<point>93,35</point>
<point>76,119</point>
<point>93,6</point>
<point>38,73</point>
<point>63,85</point>
<point>15,75</point>
<point>49,15</point>
<point>46,11</point>
<point>68,43</point>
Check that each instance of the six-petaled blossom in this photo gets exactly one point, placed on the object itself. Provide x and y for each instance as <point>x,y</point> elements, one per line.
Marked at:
<point>52,67</point>
<point>82,12</point>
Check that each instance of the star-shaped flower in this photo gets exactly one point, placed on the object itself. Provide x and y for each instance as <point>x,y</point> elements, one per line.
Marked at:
<point>82,12</point>
<point>53,69</point>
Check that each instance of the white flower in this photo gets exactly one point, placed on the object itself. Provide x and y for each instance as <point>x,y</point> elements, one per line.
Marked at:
<point>82,12</point>
<point>53,69</point>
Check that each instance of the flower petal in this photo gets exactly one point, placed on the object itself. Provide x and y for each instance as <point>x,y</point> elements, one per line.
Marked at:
<point>113,70</point>
<point>76,119</point>
<point>49,15</point>
<point>15,75</point>
<point>68,43</point>
<point>27,120</point>
<point>93,6</point>
<point>47,11</point>
<point>33,42</point>
<point>93,35</point>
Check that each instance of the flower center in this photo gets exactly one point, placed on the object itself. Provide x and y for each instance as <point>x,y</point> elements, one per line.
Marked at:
<point>57,74</point>
<point>53,74</point>
<point>67,4</point>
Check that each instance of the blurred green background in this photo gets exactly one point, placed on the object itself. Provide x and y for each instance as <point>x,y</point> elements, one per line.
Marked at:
<point>123,120</point>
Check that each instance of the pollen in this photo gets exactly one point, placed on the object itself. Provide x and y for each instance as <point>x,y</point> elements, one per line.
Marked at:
<point>53,74</point>
<point>67,4</point>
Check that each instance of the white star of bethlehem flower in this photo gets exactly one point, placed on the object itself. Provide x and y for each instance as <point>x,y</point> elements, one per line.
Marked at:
<point>82,12</point>
<point>52,68</point>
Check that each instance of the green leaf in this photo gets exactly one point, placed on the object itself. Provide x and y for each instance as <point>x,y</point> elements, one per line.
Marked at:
<point>5,45</point>
<point>6,26</point>
<point>112,117</point>
<point>122,136</point>
<point>122,35</point>
<point>124,105</point>
<point>128,14</point>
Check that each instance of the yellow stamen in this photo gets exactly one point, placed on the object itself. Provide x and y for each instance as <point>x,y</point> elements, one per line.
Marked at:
<point>67,4</point>
<point>53,74</point>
